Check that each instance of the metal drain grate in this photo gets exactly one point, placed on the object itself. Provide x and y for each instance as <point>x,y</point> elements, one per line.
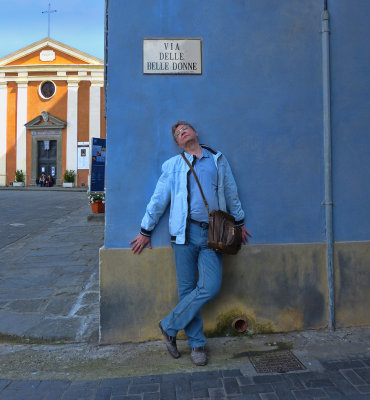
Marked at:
<point>275,361</point>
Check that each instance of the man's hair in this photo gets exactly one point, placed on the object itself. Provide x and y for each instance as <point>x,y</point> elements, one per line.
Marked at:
<point>178,123</point>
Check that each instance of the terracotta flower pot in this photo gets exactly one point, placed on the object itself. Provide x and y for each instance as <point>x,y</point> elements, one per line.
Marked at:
<point>97,207</point>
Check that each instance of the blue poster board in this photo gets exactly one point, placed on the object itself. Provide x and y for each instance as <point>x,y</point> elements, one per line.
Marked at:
<point>97,165</point>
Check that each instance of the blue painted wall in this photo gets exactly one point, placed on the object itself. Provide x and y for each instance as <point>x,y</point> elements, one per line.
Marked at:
<point>350,44</point>
<point>259,101</point>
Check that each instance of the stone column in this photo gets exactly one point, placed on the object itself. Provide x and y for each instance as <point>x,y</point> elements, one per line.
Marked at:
<point>21,160</point>
<point>94,112</point>
<point>72,115</point>
<point>3,125</point>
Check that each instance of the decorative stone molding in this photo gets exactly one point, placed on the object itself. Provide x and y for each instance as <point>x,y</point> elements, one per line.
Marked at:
<point>39,123</point>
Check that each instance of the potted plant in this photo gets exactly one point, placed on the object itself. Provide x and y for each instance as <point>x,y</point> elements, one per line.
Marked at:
<point>19,178</point>
<point>69,178</point>
<point>97,202</point>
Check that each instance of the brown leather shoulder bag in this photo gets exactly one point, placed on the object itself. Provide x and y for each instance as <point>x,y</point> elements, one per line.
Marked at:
<point>223,236</point>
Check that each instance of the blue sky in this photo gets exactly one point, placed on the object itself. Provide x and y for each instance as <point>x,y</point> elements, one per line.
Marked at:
<point>77,23</point>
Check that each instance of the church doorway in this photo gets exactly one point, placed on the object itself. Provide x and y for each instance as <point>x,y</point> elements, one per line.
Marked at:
<point>47,157</point>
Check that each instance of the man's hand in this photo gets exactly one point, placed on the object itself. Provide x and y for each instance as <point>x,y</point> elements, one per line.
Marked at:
<point>140,242</point>
<point>245,234</point>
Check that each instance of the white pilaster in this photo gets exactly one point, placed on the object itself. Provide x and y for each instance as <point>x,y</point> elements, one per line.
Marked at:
<point>3,125</point>
<point>94,112</point>
<point>21,149</point>
<point>72,114</point>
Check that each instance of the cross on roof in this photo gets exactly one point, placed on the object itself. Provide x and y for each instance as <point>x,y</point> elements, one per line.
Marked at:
<point>49,11</point>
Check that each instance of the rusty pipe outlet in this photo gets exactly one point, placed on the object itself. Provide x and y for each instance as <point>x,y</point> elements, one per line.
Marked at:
<point>240,324</point>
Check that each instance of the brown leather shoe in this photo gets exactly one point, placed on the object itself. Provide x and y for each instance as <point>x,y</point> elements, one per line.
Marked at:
<point>199,356</point>
<point>170,343</point>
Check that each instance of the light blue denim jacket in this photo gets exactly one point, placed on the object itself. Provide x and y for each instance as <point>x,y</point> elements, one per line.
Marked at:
<point>172,186</point>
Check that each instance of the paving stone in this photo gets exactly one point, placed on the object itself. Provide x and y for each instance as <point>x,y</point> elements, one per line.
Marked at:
<point>4,383</point>
<point>183,390</point>
<point>54,395</point>
<point>207,383</point>
<point>363,388</point>
<point>129,397</point>
<point>231,373</point>
<point>284,393</point>
<point>337,365</point>
<point>352,377</point>
<point>199,393</point>
<point>143,388</point>
<point>79,394</point>
<point>175,378</point>
<point>56,328</point>
<point>103,394</point>
<point>199,376</point>
<point>167,391</point>
<point>364,373</point>
<point>308,394</point>
<point>146,379</point>
<point>269,396</point>
<point>245,397</point>
<point>318,383</point>
<point>152,396</point>
<point>28,306</point>
<point>60,305</point>
<point>259,388</point>
<point>12,323</point>
<point>29,385</point>
<point>334,393</point>
<point>217,394</point>
<point>54,385</point>
<point>120,390</point>
<point>20,395</point>
<point>231,386</point>
<point>244,380</point>
<point>84,385</point>
<point>268,378</point>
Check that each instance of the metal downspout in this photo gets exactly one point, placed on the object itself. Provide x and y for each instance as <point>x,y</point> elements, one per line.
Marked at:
<point>106,56</point>
<point>328,202</point>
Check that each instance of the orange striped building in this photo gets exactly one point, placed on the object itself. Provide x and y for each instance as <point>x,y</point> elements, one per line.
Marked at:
<point>51,105</point>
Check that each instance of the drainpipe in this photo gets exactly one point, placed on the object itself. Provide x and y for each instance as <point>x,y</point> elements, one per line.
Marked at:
<point>328,202</point>
<point>106,56</point>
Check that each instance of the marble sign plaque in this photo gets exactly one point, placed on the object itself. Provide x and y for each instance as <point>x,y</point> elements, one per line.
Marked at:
<point>47,55</point>
<point>172,56</point>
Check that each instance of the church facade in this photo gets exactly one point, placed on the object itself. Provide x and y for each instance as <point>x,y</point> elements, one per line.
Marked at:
<point>51,105</point>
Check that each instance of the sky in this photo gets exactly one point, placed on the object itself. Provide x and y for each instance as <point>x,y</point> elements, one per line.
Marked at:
<point>77,23</point>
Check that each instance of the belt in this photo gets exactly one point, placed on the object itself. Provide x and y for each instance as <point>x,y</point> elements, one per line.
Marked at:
<point>203,225</point>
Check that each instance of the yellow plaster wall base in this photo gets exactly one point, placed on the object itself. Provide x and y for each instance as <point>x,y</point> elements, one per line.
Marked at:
<point>277,287</point>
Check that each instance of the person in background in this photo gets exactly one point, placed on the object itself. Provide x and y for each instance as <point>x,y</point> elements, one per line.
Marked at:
<point>42,179</point>
<point>49,181</point>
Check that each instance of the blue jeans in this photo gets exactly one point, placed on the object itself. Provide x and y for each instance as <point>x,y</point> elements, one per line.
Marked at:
<point>194,260</point>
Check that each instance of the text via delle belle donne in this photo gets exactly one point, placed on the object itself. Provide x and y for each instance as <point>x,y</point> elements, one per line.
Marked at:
<point>171,58</point>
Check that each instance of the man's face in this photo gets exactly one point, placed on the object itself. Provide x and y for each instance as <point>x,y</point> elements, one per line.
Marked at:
<point>184,134</point>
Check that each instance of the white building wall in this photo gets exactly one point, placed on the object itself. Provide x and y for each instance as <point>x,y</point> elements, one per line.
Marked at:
<point>21,148</point>
<point>3,128</point>
<point>72,115</point>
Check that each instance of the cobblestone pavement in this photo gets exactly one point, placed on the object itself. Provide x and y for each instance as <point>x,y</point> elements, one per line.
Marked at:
<point>340,379</point>
<point>49,288</point>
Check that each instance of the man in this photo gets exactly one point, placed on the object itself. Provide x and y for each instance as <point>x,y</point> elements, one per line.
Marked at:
<point>188,225</point>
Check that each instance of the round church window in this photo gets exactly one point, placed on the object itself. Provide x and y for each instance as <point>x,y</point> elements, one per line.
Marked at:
<point>47,89</point>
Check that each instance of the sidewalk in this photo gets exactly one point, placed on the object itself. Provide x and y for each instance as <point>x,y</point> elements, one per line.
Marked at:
<point>49,289</point>
<point>337,367</point>
<point>49,321</point>
<point>39,188</point>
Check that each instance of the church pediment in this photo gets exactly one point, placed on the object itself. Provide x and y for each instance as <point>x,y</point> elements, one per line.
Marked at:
<point>49,51</point>
<point>45,121</point>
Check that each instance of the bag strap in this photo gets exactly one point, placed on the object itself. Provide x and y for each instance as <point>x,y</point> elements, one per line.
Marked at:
<point>197,180</point>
